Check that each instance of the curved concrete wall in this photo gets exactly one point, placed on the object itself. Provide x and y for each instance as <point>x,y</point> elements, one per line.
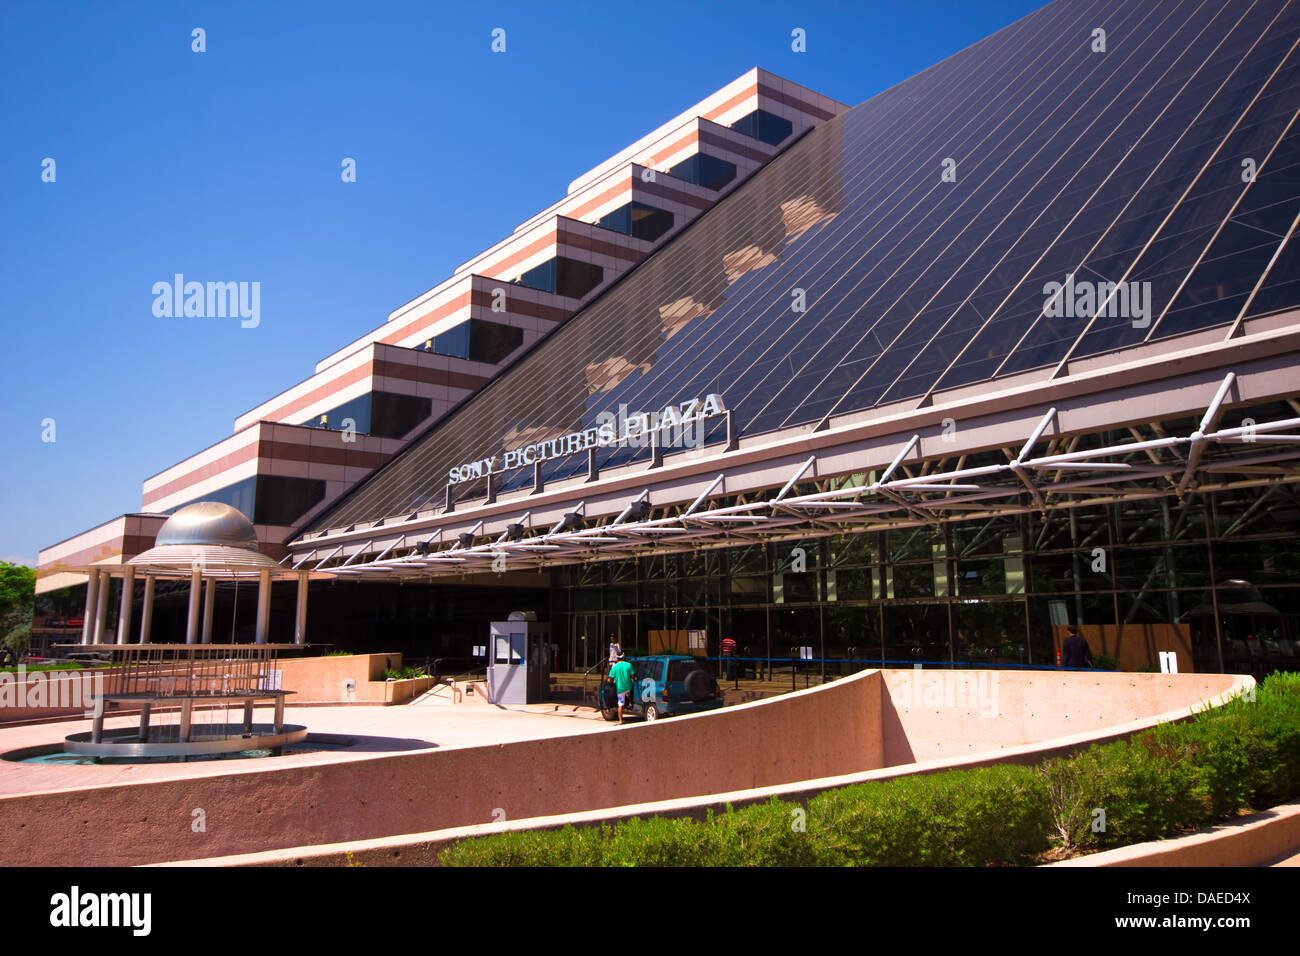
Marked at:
<point>931,721</point>
<point>822,731</point>
<point>867,726</point>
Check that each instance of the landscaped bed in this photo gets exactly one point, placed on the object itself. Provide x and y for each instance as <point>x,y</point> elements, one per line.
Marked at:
<point>1164,782</point>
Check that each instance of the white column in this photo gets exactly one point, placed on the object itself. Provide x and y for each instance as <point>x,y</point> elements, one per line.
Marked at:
<point>146,610</point>
<point>124,606</point>
<point>300,619</point>
<point>92,603</point>
<point>192,621</point>
<point>263,604</point>
<point>101,606</point>
<point>209,600</point>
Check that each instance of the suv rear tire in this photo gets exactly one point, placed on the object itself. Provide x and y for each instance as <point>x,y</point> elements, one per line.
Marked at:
<point>700,685</point>
<point>651,711</point>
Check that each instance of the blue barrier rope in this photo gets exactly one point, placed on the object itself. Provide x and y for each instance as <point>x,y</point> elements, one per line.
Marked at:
<point>910,663</point>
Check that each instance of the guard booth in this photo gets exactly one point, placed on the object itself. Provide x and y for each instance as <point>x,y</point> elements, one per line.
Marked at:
<point>519,660</point>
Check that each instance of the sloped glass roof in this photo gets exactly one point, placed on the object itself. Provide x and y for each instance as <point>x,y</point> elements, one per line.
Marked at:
<point>917,242</point>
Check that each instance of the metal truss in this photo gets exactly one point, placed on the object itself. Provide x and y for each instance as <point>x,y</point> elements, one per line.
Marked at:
<point>1166,466</point>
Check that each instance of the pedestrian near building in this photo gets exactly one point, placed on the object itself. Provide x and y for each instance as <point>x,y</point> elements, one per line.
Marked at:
<point>621,675</point>
<point>1075,651</point>
<point>615,649</point>
<point>729,656</point>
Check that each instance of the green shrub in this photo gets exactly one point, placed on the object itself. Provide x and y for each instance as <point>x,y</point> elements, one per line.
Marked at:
<point>1120,793</point>
<point>657,841</point>
<point>989,815</point>
<point>1147,793</point>
<point>570,846</point>
<point>403,673</point>
<point>1162,782</point>
<point>775,833</point>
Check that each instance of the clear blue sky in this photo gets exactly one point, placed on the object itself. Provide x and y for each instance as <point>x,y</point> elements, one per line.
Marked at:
<point>225,165</point>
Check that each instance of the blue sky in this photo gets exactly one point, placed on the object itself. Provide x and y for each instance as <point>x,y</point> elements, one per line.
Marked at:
<point>224,165</point>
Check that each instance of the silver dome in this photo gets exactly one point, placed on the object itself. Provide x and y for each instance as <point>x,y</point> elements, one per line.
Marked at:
<point>208,523</point>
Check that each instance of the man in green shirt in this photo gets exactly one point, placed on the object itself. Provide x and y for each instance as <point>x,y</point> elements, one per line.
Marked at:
<point>621,675</point>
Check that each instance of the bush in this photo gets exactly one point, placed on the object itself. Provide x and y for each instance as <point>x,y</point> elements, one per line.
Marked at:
<point>1162,782</point>
<point>989,815</point>
<point>403,673</point>
<point>775,833</point>
<point>1146,793</point>
<point>570,846</point>
<point>657,841</point>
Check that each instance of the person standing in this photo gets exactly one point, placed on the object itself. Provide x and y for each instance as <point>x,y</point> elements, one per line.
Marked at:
<point>1075,651</point>
<point>621,675</point>
<point>615,650</point>
<point>729,656</point>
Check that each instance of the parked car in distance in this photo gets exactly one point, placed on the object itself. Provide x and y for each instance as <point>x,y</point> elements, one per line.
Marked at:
<point>665,685</point>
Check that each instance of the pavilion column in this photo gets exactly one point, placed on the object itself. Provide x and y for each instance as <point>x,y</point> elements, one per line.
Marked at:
<point>101,606</point>
<point>146,610</point>
<point>263,604</point>
<point>124,605</point>
<point>192,621</point>
<point>92,604</point>
<point>209,601</point>
<point>300,619</point>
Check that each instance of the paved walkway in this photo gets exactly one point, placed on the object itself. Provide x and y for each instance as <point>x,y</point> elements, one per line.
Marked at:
<point>376,730</point>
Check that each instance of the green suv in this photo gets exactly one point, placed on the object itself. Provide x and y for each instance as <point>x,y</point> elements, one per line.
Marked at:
<point>664,685</point>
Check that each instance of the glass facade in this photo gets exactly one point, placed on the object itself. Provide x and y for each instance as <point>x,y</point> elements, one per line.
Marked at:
<point>766,126</point>
<point>908,246</point>
<point>1215,577</point>
<point>381,414</point>
<point>479,340</point>
<point>705,170</point>
<point>638,220</point>
<point>563,276</point>
<point>267,499</point>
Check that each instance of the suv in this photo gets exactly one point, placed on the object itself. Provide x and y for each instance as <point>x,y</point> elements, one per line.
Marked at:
<point>665,685</point>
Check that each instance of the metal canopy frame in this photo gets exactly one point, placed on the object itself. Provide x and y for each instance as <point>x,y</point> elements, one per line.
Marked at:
<point>1171,465</point>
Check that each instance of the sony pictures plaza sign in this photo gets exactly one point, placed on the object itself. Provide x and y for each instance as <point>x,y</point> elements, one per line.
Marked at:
<point>679,425</point>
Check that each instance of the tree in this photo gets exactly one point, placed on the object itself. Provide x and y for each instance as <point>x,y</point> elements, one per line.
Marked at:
<point>17,600</point>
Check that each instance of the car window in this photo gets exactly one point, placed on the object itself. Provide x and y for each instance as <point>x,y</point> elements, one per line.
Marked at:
<point>677,670</point>
<point>652,669</point>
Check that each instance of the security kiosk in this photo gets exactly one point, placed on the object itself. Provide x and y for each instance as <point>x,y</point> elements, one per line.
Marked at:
<point>519,660</point>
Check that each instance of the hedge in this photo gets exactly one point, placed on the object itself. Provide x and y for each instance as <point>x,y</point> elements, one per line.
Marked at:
<point>1162,782</point>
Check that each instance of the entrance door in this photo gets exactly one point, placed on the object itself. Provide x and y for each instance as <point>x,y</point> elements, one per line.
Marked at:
<point>622,624</point>
<point>586,642</point>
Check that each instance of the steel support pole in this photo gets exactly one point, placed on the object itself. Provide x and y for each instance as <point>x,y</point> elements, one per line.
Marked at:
<point>124,605</point>
<point>209,603</point>
<point>300,617</point>
<point>101,606</point>
<point>146,610</point>
<point>92,603</point>
<point>263,605</point>
<point>192,620</point>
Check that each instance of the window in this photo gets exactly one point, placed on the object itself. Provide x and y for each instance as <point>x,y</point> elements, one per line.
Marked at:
<point>479,340</point>
<point>563,276</point>
<point>382,414</point>
<point>639,221</point>
<point>704,170</point>
<point>268,499</point>
<point>763,125</point>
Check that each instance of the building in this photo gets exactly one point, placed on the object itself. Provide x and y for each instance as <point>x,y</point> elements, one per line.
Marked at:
<point>1011,346</point>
